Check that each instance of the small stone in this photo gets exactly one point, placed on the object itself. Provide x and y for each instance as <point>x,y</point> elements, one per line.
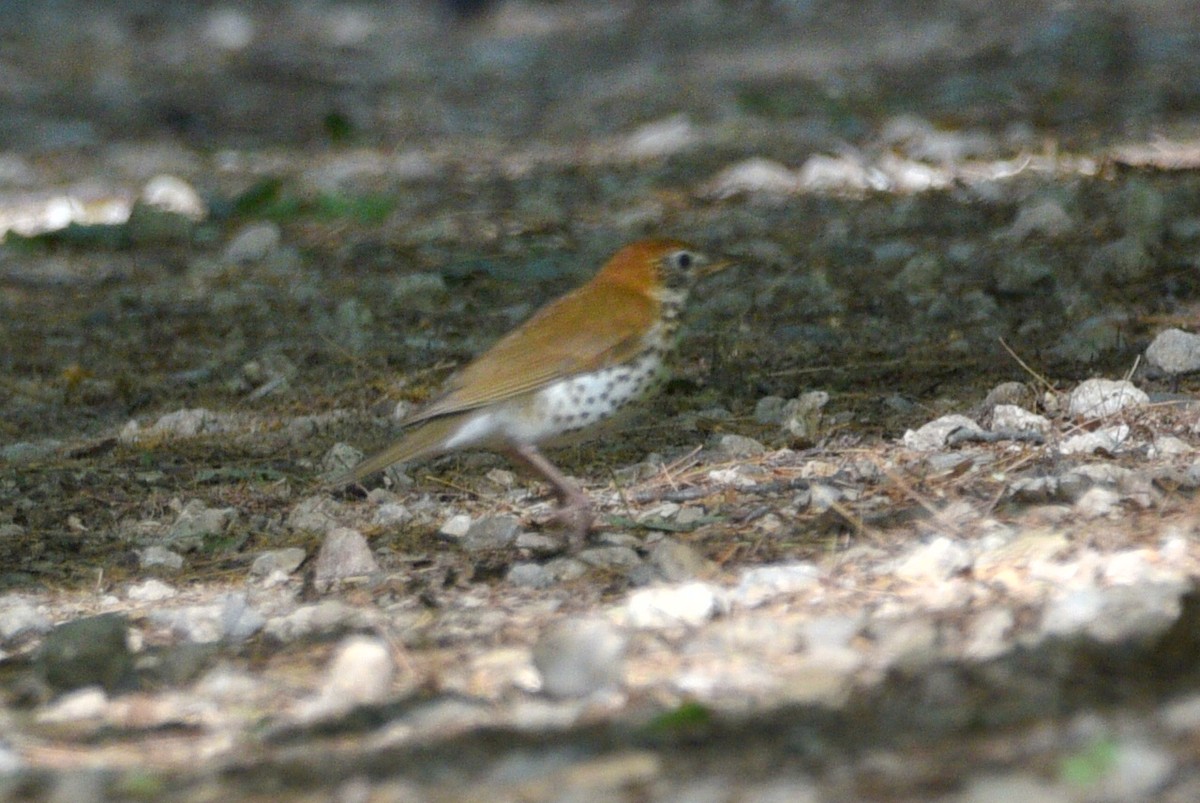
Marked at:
<point>277,560</point>
<point>196,522</point>
<point>491,533</point>
<point>1113,615</point>
<point>936,561</point>
<point>344,555</point>
<point>188,423</point>
<point>82,704</point>
<point>19,618</point>
<point>822,496</point>
<point>1097,502</point>
<point>360,673</point>
<point>391,514</point>
<point>737,446</point>
<point>675,561</point>
<point>324,618</point>
<point>455,527</point>
<point>769,410</point>
<point>530,575</point>
<point>1097,398</point>
<point>659,139</point>
<point>314,514</point>
<point>151,591</point>
<point>1120,262</point>
<point>1044,217</point>
<point>763,583</point>
<point>156,555</point>
<point>936,434</point>
<point>1175,352</point>
<point>801,417</point>
<point>987,637</point>
<point>92,651</point>
<point>1109,440</point>
<point>611,558</point>
<point>580,657</point>
<point>420,292</point>
<point>1010,418</point>
<point>166,212</point>
<point>254,242</point>
<point>1170,446</point>
<point>753,176</point>
<point>689,605</point>
<point>839,174</point>
<point>340,458</point>
<point>539,544</point>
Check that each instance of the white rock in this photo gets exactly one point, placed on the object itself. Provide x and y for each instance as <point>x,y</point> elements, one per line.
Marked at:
<point>151,590</point>
<point>839,174</point>
<point>659,139</point>
<point>936,433</point>
<point>1109,440</point>
<point>360,674</point>
<point>936,561</point>
<point>579,657</point>
<point>1096,398</point>
<point>344,555</point>
<point>1012,418</point>
<point>762,583</point>
<point>690,604</point>
<point>171,194</point>
<point>1175,351</point>
<point>19,617</point>
<point>1170,446</point>
<point>455,527</point>
<point>1097,502</point>
<point>87,703</point>
<point>160,556</point>
<point>754,175</point>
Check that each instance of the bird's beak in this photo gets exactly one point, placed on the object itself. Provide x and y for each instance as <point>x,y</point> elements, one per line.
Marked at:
<point>716,267</point>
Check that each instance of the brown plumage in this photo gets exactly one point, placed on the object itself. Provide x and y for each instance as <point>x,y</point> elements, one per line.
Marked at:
<point>576,362</point>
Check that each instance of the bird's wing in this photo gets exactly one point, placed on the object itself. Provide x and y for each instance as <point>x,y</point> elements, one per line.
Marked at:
<point>587,329</point>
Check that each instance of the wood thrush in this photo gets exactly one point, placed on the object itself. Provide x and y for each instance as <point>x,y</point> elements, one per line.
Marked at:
<point>575,363</point>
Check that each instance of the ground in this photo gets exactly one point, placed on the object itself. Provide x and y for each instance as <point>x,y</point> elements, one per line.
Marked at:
<point>240,241</point>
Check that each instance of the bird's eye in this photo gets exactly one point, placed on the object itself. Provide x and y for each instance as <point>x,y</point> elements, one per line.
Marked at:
<point>684,260</point>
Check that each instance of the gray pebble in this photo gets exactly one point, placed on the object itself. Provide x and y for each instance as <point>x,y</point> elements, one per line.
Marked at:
<point>731,445</point>
<point>455,527</point>
<point>936,433</point>
<point>277,560</point>
<point>92,651</point>
<point>19,618</point>
<point>579,657</point>
<point>1175,351</point>
<point>253,242</point>
<point>1096,398</point>
<point>612,558</point>
<point>196,522</point>
<point>491,533</point>
<point>344,555</point>
<point>1120,262</point>
<point>675,561</point>
<point>160,556</point>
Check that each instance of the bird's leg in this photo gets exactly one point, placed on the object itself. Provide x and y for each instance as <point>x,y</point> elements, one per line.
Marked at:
<point>574,508</point>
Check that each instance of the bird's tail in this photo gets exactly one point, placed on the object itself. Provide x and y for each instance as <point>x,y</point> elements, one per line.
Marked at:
<point>425,440</point>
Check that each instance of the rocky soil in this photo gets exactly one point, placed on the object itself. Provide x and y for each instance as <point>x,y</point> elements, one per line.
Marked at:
<point>916,520</point>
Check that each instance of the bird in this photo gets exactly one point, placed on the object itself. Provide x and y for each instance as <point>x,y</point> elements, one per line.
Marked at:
<point>573,365</point>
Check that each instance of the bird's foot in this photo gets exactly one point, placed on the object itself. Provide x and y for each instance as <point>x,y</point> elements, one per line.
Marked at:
<point>574,516</point>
